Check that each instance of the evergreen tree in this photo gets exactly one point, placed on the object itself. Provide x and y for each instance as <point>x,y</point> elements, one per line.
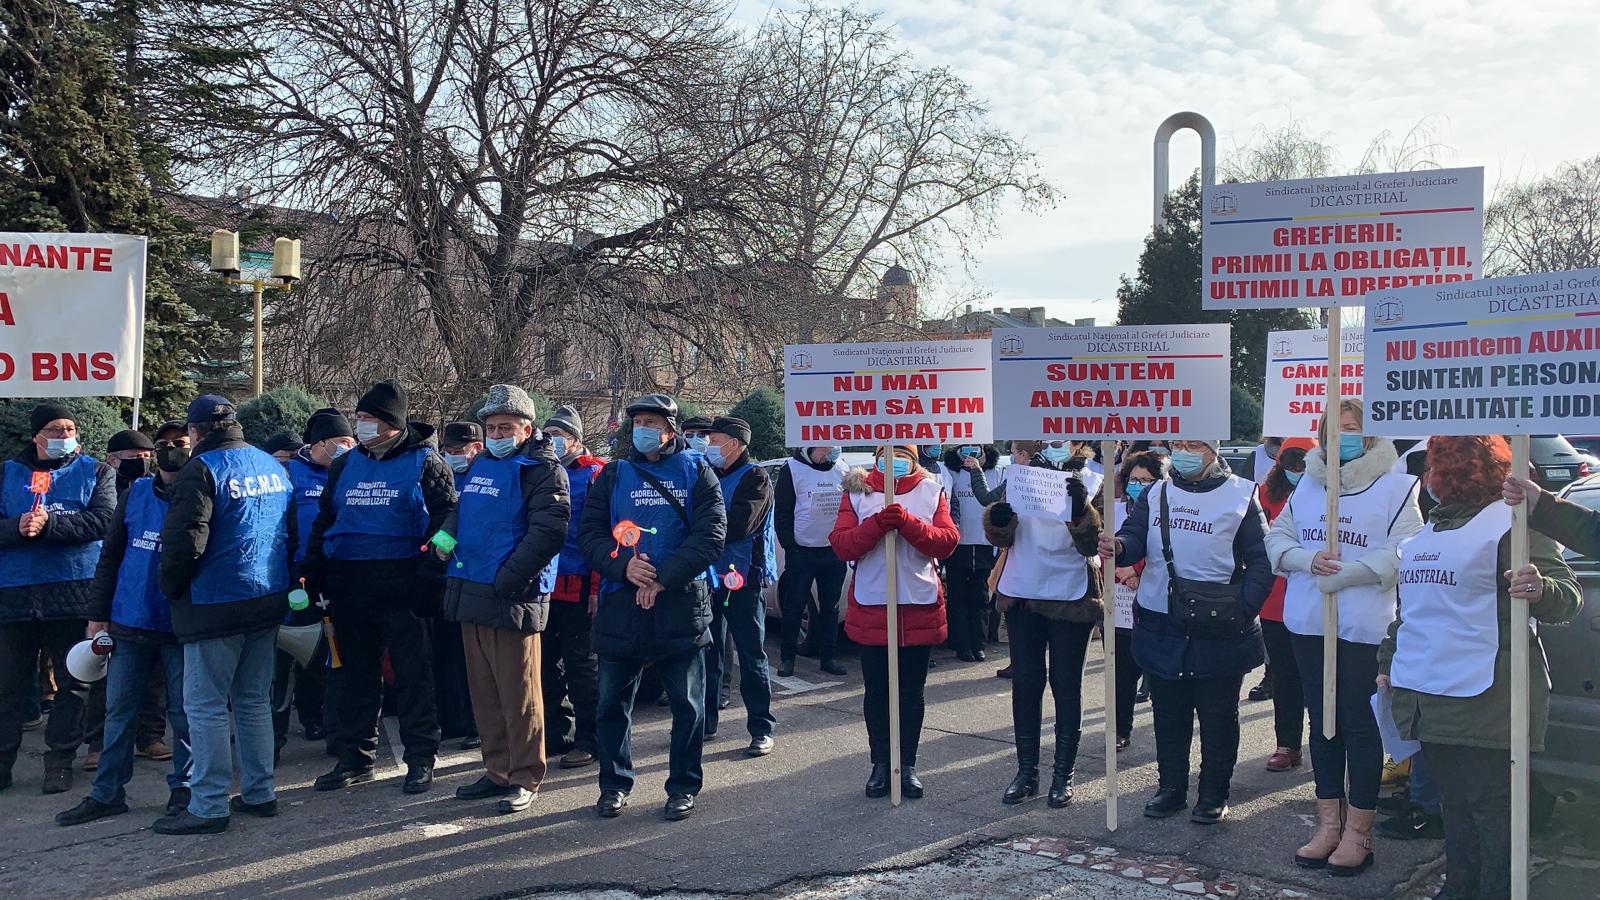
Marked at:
<point>281,409</point>
<point>763,409</point>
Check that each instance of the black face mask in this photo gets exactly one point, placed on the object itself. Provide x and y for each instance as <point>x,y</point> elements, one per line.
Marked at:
<point>171,459</point>
<point>133,469</point>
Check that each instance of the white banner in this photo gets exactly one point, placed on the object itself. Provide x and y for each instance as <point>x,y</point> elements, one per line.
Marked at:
<point>917,392</point>
<point>1502,356</point>
<point>1297,379</point>
<point>1134,381</point>
<point>1326,241</point>
<point>1039,492</point>
<point>71,314</point>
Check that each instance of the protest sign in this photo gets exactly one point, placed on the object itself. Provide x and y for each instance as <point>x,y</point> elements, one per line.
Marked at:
<point>1297,378</point>
<point>71,314</point>
<point>1137,381</point>
<point>1502,356</point>
<point>1326,241</point>
<point>1039,492</point>
<point>919,392</point>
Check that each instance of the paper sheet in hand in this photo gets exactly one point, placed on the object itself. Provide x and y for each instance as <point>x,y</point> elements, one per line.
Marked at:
<point>1038,492</point>
<point>1396,746</point>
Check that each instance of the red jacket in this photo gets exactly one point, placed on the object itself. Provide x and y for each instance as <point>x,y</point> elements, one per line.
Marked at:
<point>920,625</point>
<point>1272,610</point>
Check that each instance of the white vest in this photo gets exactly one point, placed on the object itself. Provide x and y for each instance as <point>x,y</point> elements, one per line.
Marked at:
<point>917,576</point>
<point>816,501</point>
<point>1365,610</point>
<point>1043,564</point>
<point>966,509</point>
<point>1124,595</point>
<point>1449,598</point>
<point>1262,464</point>
<point>1203,528</point>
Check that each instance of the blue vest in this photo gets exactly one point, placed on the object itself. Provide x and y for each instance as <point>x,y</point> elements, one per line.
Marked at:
<point>634,498</point>
<point>491,520</point>
<point>247,552</point>
<point>307,480</point>
<point>571,558</point>
<point>137,601</point>
<point>741,554</point>
<point>379,507</point>
<point>71,488</point>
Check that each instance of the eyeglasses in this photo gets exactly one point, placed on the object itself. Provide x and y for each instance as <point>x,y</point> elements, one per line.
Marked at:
<point>1141,481</point>
<point>174,444</point>
<point>60,431</point>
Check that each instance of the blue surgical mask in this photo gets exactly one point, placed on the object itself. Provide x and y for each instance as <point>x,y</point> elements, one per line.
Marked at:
<point>56,448</point>
<point>647,440</point>
<point>902,466</point>
<point>1351,446</point>
<point>559,445</point>
<point>1135,490</point>
<point>934,450</point>
<point>714,455</point>
<point>1188,463</point>
<point>833,456</point>
<point>1057,455</point>
<point>1294,477</point>
<point>501,447</point>
<point>971,452</point>
<point>698,442</point>
<point>458,462</point>
<point>339,450</point>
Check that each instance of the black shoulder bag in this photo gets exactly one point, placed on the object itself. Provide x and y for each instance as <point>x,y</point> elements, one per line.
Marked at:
<point>665,492</point>
<point>1202,608</point>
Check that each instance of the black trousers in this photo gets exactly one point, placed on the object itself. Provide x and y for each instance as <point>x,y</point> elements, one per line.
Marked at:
<point>875,700</point>
<point>1356,750</point>
<point>967,592</point>
<point>1128,673</point>
<point>803,568</point>
<point>1476,785</point>
<point>743,615</point>
<point>1288,701</point>
<point>1034,639</point>
<point>363,632</point>
<point>20,646</point>
<point>569,678</point>
<point>1214,702</point>
<point>450,694</point>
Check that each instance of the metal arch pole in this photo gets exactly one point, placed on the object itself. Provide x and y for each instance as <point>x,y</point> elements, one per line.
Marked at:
<point>1208,156</point>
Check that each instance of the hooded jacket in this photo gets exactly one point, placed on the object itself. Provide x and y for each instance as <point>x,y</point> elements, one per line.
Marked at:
<point>514,602</point>
<point>61,599</point>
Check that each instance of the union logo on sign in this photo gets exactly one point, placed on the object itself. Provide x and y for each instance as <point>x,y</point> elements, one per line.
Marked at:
<point>1282,347</point>
<point>1224,203</point>
<point>1011,346</point>
<point>1387,310</point>
<point>800,362</point>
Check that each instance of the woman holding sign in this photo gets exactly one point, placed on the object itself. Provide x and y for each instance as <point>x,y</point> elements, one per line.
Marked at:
<point>1377,510</point>
<point>1448,657</point>
<point>1050,598</point>
<point>920,516</point>
<point>1195,633</point>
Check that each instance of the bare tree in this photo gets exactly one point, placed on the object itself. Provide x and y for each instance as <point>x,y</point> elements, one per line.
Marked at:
<point>1548,225</point>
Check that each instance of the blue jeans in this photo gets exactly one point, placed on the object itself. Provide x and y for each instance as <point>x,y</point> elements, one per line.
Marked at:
<point>744,615</point>
<point>1424,790</point>
<point>125,687</point>
<point>684,679</point>
<point>234,669</point>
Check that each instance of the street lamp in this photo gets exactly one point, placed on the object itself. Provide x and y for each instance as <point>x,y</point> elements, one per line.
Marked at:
<point>285,269</point>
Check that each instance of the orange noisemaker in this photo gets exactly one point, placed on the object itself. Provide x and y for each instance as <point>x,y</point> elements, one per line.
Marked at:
<point>627,534</point>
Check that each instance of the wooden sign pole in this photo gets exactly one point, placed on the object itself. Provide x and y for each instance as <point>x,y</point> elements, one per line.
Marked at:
<point>889,541</point>
<point>1518,627</point>
<point>1330,531</point>
<point>1108,629</point>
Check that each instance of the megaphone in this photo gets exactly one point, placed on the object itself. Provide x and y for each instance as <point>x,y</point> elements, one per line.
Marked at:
<point>88,660</point>
<point>299,641</point>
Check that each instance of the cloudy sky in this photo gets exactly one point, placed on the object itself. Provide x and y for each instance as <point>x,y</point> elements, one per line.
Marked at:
<point>1506,84</point>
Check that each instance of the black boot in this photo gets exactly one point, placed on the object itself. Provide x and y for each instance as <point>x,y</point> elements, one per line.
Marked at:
<point>1026,784</point>
<point>1061,779</point>
<point>1167,802</point>
<point>878,781</point>
<point>910,784</point>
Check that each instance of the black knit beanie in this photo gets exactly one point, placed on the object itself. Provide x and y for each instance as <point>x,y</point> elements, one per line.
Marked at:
<point>386,400</point>
<point>45,413</point>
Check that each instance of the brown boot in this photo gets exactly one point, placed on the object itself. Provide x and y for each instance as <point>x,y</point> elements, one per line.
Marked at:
<point>1354,854</point>
<point>1330,818</point>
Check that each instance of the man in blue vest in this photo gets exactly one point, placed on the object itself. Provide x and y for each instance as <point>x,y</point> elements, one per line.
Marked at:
<point>655,603</point>
<point>327,436</point>
<point>383,502</point>
<point>225,568</point>
<point>129,604</point>
<point>49,544</point>
<point>749,561</point>
<point>509,527</point>
<point>459,443</point>
<point>567,649</point>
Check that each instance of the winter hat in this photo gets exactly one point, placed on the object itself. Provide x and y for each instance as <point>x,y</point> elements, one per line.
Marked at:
<point>508,400</point>
<point>208,408</point>
<point>129,440</point>
<point>460,434</point>
<point>733,427</point>
<point>385,400</point>
<point>45,413</point>
<point>283,440</point>
<point>171,427</point>
<point>326,423</point>
<point>698,423</point>
<point>1298,443</point>
<point>657,403</point>
<point>567,419</point>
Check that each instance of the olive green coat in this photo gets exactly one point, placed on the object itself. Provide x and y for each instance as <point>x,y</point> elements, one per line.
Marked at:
<point>1485,720</point>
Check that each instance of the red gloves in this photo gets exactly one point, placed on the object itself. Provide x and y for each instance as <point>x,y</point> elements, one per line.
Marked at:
<point>891,517</point>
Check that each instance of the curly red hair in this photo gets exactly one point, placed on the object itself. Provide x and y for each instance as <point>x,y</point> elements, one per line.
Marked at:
<point>1468,470</point>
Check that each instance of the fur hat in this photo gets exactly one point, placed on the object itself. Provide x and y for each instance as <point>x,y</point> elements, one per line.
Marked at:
<point>508,400</point>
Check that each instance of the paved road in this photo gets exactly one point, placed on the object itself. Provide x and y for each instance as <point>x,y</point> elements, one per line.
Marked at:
<point>789,824</point>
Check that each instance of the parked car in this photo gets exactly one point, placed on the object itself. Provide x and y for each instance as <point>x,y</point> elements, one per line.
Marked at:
<point>1556,462</point>
<point>1571,757</point>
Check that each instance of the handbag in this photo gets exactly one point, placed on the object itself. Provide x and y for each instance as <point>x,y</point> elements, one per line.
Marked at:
<point>1199,607</point>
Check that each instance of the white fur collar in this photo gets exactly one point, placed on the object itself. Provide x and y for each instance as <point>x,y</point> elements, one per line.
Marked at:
<point>1359,473</point>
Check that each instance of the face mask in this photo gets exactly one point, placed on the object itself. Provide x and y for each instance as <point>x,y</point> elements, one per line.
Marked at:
<point>339,450</point>
<point>934,450</point>
<point>1351,446</point>
<point>648,440</point>
<point>366,431</point>
<point>1057,454</point>
<point>171,459</point>
<point>833,456</point>
<point>134,469</point>
<point>559,445</point>
<point>458,462</point>
<point>696,442</point>
<point>1294,477</point>
<point>1272,450</point>
<point>1136,490</point>
<point>971,452</point>
<point>902,467</point>
<point>1188,463</point>
<point>714,455</point>
<point>55,448</point>
<point>502,447</point>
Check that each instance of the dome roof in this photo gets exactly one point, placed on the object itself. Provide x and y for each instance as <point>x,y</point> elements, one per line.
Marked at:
<point>896,276</point>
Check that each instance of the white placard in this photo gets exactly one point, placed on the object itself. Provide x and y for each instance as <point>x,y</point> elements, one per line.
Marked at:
<point>920,392</point>
<point>1039,492</point>
<point>1133,381</point>
<point>1326,241</point>
<point>71,314</point>
<point>1502,356</point>
<point>1125,596</point>
<point>1297,379</point>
